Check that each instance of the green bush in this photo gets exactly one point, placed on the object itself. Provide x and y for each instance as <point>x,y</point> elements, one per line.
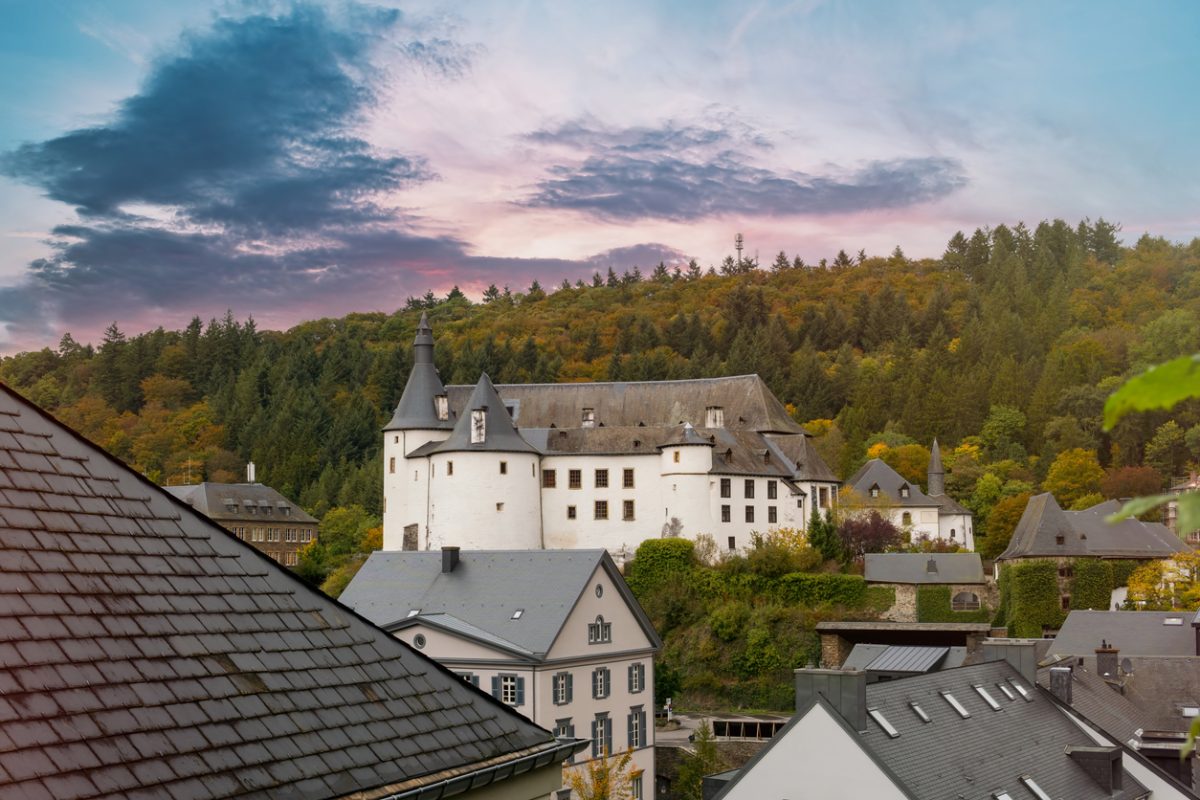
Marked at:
<point>658,562</point>
<point>728,621</point>
<point>1033,598</point>
<point>1091,584</point>
<point>933,605</point>
<point>804,588</point>
<point>1122,568</point>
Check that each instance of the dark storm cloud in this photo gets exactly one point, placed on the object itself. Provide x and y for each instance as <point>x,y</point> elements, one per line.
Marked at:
<point>684,173</point>
<point>639,255</point>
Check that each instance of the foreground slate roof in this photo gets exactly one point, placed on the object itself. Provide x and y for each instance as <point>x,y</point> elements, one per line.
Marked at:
<point>923,568</point>
<point>479,593</point>
<point>145,652</point>
<point>1086,533</point>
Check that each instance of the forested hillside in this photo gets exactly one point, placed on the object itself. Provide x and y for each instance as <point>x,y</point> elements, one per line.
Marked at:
<point>1004,349</point>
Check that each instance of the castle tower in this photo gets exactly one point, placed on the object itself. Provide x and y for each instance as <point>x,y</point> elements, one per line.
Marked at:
<point>485,480</point>
<point>687,458</point>
<point>936,476</point>
<point>421,416</point>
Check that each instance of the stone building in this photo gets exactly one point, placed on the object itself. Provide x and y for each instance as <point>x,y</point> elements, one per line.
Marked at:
<point>254,513</point>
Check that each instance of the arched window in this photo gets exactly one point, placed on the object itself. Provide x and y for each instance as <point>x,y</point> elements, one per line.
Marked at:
<point>965,601</point>
<point>952,533</point>
<point>599,631</point>
<point>906,518</point>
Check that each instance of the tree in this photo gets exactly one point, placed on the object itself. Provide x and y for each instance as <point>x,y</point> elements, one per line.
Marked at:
<point>1075,473</point>
<point>870,533</point>
<point>1167,451</point>
<point>1001,523</point>
<point>604,778</point>
<point>781,262</point>
<point>823,535</point>
<point>1124,482</point>
<point>1003,432</point>
<point>705,760</point>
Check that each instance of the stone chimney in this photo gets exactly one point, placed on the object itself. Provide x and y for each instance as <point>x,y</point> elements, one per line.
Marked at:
<point>845,690</point>
<point>1107,660</point>
<point>1021,654</point>
<point>1060,683</point>
<point>449,559</point>
<point>1102,764</point>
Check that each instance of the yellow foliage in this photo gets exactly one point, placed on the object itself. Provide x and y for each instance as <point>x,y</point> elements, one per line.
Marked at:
<point>818,427</point>
<point>603,778</point>
<point>877,450</point>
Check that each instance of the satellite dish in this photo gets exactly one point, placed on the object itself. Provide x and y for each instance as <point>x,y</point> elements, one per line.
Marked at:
<point>1126,666</point>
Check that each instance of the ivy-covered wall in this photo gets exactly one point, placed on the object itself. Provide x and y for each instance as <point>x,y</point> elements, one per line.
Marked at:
<point>1091,584</point>
<point>933,605</point>
<point>1030,596</point>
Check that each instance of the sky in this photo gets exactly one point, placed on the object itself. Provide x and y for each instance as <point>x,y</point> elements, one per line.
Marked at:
<point>297,160</point>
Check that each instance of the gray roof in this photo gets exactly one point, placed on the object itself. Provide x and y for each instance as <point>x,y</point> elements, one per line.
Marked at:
<point>500,435</point>
<point>916,568</point>
<point>684,435</point>
<point>936,474</point>
<point>809,464</point>
<point>876,473</point>
<point>903,658</point>
<point>416,409</point>
<point>212,500</point>
<point>1134,633</point>
<point>951,757</point>
<point>746,402</point>
<point>484,589</point>
<point>1104,705</point>
<point>147,652</point>
<point>1086,533</point>
<point>862,654</point>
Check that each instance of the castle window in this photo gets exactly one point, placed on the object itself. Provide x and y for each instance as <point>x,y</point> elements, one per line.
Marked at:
<point>627,478</point>
<point>478,426</point>
<point>575,478</point>
<point>952,533</point>
<point>392,465</point>
<point>601,479</point>
<point>441,406</point>
<point>601,509</point>
<point>733,543</point>
<point>725,514</point>
<point>906,518</point>
<point>823,496</point>
<point>749,489</point>
<point>589,418</point>
<point>503,467</point>
<point>570,512</point>
<point>772,515</point>
<point>772,490</point>
<point>714,417</point>
<point>749,513</point>
<point>449,467</point>
<point>726,487</point>
<point>627,510</point>
<point>549,479</point>
<point>676,454</point>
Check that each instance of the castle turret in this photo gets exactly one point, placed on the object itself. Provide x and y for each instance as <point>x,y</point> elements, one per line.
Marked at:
<point>936,475</point>
<point>422,416</point>
<point>486,478</point>
<point>687,459</point>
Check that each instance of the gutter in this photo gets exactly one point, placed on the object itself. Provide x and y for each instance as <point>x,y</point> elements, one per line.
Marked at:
<point>465,779</point>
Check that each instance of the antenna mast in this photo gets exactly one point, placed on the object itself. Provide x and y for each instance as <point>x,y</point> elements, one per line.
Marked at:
<point>737,245</point>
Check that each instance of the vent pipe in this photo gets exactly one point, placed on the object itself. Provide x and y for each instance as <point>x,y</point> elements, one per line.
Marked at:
<point>250,472</point>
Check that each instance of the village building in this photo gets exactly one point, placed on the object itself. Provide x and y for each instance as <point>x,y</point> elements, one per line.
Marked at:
<point>586,465</point>
<point>555,634</point>
<point>931,516</point>
<point>254,513</point>
<point>982,732</point>
<point>905,573</point>
<point>145,652</point>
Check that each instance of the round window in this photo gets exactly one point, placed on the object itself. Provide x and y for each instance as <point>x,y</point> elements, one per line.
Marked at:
<point>599,590</point>
<point>419,641</point>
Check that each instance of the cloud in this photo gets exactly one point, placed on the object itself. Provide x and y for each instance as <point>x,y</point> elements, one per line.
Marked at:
<point>684,173</point>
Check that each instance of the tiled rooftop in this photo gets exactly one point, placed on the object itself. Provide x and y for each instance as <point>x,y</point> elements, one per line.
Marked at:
<point>145,652</point>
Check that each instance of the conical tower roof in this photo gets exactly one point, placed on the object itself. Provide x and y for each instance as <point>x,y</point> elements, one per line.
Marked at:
<point>417,409</point>
<point>686,435</point>
<point>499,436</point>
<point>936,475</point>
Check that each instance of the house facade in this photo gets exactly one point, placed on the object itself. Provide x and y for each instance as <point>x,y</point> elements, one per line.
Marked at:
<point>931,515</point>
<point>556,635</point>
<point>254,513</point>
<point>592,464</point>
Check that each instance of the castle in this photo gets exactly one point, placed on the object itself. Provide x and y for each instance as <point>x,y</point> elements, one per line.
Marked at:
<point>584,465</point>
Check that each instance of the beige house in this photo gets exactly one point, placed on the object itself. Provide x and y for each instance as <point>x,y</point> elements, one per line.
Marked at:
<point>554,634</point>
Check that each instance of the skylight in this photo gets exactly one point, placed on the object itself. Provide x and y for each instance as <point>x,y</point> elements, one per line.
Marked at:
<point>957,706</point>
<point>1021,690</point>
<point>518,613</point>
<point>1001,795</point>
<point>412,612</point>
<point>920,712</point>
<point>877,715</point>
<point>1173,621</point>
<point>1032,786</point>
<point>1007,692</point>
<point>987,698</point>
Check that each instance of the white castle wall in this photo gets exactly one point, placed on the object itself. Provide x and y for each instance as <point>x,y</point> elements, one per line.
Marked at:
<point>480,508</point>
<point>405,485</point>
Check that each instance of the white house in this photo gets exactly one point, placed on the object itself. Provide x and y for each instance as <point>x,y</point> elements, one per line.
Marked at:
<point>584,465</point>
<point>932,515</point>
<point>555,634</point>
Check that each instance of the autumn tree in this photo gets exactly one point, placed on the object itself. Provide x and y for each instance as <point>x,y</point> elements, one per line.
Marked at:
<point>867,533</point>
<point>1074,474</point>
<point>1123,482</point>
<point>604,778</point>
<point>1001,523</point>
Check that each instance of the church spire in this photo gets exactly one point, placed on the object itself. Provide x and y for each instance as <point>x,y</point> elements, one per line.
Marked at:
<point>422,406</point>
<point>936,476</point>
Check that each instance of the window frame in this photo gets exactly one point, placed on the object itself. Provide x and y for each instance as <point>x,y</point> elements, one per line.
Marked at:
<point>574,478</point>
<point>726,513</point>
<point>600,509</point>
<point>627,478</point>
<point>627,511</point>
<point>599,632</point>
<point>549,479</point>
<point>748,489</point>
<point>601,683</point>
<point>600,478</point>
<point>726,487</point>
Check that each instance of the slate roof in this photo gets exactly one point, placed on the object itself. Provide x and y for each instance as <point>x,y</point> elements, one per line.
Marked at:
<point>210,499</point>
<point>746,401</point>
<point>915,568</point>
<point>500,435</point>
<point>416,409</point>
<point>1134,633</point>
<point>809,464</point>
<point>484,589</point>
<point>1086,533</point>
<point>1092,697</point>
<point>903,658</point>
<point>877,473</point>
<point>952,758</point>
<point>146,652</point>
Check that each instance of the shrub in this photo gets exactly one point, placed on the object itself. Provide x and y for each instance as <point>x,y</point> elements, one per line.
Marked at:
<point>1092,584</point>
<point>802,588</point>
<point>657,562</point>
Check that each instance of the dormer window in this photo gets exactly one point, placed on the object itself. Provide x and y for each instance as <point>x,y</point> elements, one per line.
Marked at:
<point>478,425</point>
<point>874,491</point>
<point>904,491</point>
<point>1060,539</point>
<point>589,418</point>
<point>441,406</point>
<point>714,417</point>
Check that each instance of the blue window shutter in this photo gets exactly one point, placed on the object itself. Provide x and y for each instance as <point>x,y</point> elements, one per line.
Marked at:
<point>645,730</point>
<point>641,676</point>
<point>554,688</point>
<point>632,669</point>
<point>475,681</point>
<point>629,731</point>
<point>570,687</point>
<point>520,691</point>
<point>608,735</point>
<point>596,733</point>
<point>496,686</point>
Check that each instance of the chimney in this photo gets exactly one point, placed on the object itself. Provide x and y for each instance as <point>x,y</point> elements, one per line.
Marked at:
<point>449,559</point>
<point>1196,628</point>
<point>1106,660</point>
<point>1102,764</point>
<point>250,472</point>
<point>1021,654</point>
<point>845,690</point>
<point>1060,683</point>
